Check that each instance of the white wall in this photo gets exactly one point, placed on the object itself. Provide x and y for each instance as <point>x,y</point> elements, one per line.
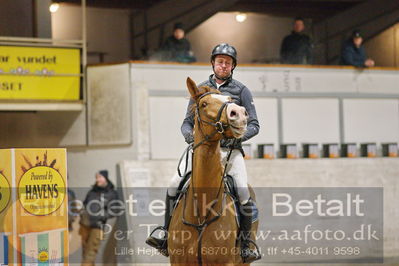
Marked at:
<point>257,38</point>
<point>309,109</point>
<point>107,30</point>
<point>310,121</point>
<point>371,120</point>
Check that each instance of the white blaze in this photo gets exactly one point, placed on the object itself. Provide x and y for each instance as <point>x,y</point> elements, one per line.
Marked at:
<point>220,97</point>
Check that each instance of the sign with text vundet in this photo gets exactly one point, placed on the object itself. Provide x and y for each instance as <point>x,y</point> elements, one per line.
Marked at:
<point>39,73</point>
<point>33,207</point>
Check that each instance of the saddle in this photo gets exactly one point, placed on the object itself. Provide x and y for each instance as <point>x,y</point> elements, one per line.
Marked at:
<point>230,189</point>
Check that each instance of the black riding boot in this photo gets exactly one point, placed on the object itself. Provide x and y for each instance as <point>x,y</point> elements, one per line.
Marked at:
<point>248,255</point>
<point>161,243</point>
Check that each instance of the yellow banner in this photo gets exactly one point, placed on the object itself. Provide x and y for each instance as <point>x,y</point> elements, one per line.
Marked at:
<point>36,219</point>
<point>39,73</point>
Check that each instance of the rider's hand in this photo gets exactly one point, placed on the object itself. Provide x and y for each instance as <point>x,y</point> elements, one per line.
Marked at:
<point>189,138</point>
<point>228,143</point>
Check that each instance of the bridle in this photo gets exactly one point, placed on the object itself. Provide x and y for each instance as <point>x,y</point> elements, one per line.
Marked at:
<point>216,123</point>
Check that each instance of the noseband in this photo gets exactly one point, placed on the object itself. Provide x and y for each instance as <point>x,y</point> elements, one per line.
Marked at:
<point>216,123</point>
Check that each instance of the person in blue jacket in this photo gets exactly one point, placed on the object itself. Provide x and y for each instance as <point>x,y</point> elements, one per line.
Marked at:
<point>353,52</point>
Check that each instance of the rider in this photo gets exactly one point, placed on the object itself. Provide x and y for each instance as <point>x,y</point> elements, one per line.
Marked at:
<point>224,61</point>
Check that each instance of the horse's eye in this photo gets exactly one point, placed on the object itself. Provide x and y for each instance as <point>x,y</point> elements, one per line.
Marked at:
<point>204,104</point>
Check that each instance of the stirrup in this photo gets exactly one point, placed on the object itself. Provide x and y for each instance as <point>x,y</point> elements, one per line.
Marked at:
<point>163,249</point>
<point>162,228</point>
<point>258,255</point>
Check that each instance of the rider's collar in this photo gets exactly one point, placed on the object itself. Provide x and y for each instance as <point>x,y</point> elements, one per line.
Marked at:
<point>213,81</point>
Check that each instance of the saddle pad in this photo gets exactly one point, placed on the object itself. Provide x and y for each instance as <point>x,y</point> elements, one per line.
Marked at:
<point>230,190</point>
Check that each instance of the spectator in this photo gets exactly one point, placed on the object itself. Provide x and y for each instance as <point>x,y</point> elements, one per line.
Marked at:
<point>97,204</point>
<point>177,47</point>
<point>296,48</point>
<point>353,52</point>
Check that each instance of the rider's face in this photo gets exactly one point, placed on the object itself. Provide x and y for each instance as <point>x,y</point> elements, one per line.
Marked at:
<point>223,65</point>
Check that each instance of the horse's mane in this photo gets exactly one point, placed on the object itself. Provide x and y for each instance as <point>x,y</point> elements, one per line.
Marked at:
<point>202,90</point>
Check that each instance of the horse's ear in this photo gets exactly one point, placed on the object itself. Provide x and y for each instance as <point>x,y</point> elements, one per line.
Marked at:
<point>192,88</point>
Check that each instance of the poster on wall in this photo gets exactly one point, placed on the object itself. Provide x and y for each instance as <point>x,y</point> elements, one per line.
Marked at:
<point>39,73</point>
<point>35,230</point>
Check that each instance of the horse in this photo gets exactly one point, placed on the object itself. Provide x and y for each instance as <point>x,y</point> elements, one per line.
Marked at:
<point>203,228</point>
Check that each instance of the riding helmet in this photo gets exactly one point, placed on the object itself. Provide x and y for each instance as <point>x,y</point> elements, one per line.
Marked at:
<point>225,49</point>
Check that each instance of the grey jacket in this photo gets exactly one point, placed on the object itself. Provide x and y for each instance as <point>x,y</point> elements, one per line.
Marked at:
<point>241,95</point>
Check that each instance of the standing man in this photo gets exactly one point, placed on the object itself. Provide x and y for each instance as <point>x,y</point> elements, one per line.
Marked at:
<point>353,52</point>
<point>177,47</point>
<point>98,203</point>
<point>224,61</point>
<point>296,48</point>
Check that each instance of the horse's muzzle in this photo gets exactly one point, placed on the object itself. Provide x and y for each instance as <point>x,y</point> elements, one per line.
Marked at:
<point>237,117</point>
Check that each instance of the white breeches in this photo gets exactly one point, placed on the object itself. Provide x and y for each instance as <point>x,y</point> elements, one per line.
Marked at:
<point>235,168</point>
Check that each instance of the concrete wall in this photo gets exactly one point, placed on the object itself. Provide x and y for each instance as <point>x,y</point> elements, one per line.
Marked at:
<point>305,102</point>
<point>43,16</point>
<point>159,103</point>
<point>257,39</point>
<point>16,18</point>
<point>107,30</point>
<point>384,48</point>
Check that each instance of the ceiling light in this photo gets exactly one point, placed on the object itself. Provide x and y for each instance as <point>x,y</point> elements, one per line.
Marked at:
<point>54,7</point>
<point>241,17</point>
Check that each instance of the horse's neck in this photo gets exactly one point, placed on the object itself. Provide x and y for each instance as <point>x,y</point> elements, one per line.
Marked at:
<point>206,176</point>
<point>207,168</point>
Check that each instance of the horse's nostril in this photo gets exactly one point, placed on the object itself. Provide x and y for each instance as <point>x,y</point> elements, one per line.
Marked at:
<point>233,113</point>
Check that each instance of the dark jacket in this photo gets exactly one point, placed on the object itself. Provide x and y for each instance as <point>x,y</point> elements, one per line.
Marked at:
<point>353,56</point>
<point>104,198</point>
<point>296,48</point>
<point>241,95</point>
<point>177,50</point>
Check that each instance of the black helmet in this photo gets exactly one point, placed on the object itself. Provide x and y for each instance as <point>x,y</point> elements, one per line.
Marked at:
<point>225,49</point>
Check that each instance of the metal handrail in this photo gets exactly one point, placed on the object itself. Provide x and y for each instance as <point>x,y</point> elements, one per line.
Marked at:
<point>40,40</point>
<point>47,45</point>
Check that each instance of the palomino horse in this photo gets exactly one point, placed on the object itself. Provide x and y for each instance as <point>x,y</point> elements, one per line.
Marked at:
<point>203,229</point>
